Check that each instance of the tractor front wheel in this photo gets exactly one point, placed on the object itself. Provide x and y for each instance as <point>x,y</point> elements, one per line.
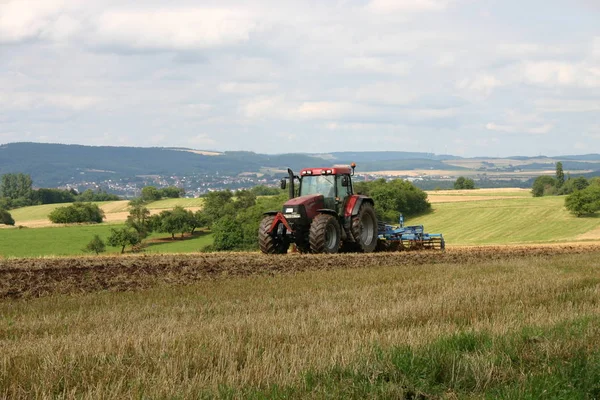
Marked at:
<point>364,228</point>
<point>325,234</point>
<point>271,242</point>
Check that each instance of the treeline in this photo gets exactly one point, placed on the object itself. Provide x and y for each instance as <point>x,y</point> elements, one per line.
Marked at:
<point>233,219</point>
<point>583,195</point>
<point>16,190</point>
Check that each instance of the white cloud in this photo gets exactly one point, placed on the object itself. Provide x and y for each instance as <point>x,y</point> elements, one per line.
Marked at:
<point>174,29</point>
<point>201,140</point>
<point>246,87</point>
<point>33,100</point>
<point>517,122</point>
<point>482,84</point>
<point>26,19</point>
<point>376,65</point>
<point>408,6</point>
<point>561,105</point>
<point>560,73</point>
<point>385,93</point>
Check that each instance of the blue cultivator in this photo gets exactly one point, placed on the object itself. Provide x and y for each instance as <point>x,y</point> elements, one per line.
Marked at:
<point>397,238</point>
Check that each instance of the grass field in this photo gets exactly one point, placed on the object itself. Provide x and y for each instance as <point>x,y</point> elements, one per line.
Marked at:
<point>504,221</point>
<point>71,240</point>
<point>520,327</point>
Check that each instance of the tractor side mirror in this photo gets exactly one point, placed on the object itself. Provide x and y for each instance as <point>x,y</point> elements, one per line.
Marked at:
<point>345,181</point>
<point>283,184</point>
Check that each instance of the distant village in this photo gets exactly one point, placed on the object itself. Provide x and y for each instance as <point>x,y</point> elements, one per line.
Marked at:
<point>199,185</point>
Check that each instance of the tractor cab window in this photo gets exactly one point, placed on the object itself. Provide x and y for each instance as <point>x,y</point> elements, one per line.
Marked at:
<point>318,184</point>
<point>343,191</point>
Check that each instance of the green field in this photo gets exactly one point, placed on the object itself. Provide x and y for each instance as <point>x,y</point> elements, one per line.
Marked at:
<point>70,240</point>
<point>504,221</point>
<point>521,219</point>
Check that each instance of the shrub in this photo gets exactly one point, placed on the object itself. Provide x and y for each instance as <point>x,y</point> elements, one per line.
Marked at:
<point>6,218</point>
<point>543,185</point>
<point>96,245</point>
<point>584,202</point>
<point>77,213</point>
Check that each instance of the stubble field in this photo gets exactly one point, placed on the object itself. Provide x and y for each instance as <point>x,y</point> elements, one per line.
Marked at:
<point>504,321</point>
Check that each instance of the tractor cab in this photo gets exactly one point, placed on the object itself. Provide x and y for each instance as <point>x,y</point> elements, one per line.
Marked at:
<point>333,183</point>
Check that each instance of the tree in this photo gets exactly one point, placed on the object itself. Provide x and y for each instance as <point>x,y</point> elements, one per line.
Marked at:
<point>196,220</point>
<point>6,218</point>
<point>244,199</point>
<point>96,245</point>
<point>560,175</point>
<point>77,213</point>
<point>123,237</point>
<point>139,218</point>
<point>227,234</point>
<point>394,197</point>
<point>464,183</point>
<point>217,204</point>
<point>543,185</point>
<point>150,193</point>
<point>584,202</point>
<point>173,221</point>
<point>573,184</point>
<point>15,186</point>
<point>171,192</point>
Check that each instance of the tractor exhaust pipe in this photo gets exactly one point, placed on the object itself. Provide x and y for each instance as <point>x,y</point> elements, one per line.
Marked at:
<point>291,187</point>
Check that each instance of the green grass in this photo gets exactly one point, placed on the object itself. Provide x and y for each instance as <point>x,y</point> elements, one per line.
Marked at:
<point>70,240</point>
<point>505,221</point>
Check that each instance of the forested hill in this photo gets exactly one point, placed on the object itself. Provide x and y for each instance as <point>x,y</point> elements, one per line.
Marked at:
<point>54,164</point>
<point>51,165</point>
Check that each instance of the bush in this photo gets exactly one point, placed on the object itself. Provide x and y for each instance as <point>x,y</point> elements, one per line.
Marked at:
<point>96,245</point>
<point>464,183</point>
<point>6,218</point>
<point>394,198</point>
<point>77,213</point>
<point>584,202</point>
<point>543,185</point>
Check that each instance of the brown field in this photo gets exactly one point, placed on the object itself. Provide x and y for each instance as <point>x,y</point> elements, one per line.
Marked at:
<point>36,277</point>
<point>110,217</point>
<point>243,325</point>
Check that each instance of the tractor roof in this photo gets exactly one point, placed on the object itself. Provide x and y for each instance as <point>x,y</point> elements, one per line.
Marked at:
<point>335,170</point>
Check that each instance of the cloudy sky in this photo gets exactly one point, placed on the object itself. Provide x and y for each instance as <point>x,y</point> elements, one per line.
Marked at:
<point>464,77</point>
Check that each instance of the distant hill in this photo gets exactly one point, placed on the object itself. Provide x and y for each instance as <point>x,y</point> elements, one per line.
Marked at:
<point>52,165</point>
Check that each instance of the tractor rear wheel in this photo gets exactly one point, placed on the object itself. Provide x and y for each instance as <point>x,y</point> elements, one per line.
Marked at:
<point>325,234</point>
<point>271,242</point>
<point>364,228</point>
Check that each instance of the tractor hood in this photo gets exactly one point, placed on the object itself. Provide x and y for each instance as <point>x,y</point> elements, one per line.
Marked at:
<point>304,205</point>
<point>304,200</point>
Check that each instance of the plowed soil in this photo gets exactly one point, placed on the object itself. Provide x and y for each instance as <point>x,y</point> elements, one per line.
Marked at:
<point>37,277</point>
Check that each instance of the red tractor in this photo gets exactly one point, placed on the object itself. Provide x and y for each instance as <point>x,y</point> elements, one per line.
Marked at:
<point>325,217</point>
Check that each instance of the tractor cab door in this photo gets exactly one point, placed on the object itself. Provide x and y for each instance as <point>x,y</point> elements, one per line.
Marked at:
<point>343,188</point>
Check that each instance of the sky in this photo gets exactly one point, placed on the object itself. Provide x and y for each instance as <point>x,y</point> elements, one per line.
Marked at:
<point>464,77</point>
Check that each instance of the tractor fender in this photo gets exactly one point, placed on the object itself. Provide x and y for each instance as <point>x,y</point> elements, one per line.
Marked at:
<point>359,202</point>
<point>327,211</point>
<point>270,213</point>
